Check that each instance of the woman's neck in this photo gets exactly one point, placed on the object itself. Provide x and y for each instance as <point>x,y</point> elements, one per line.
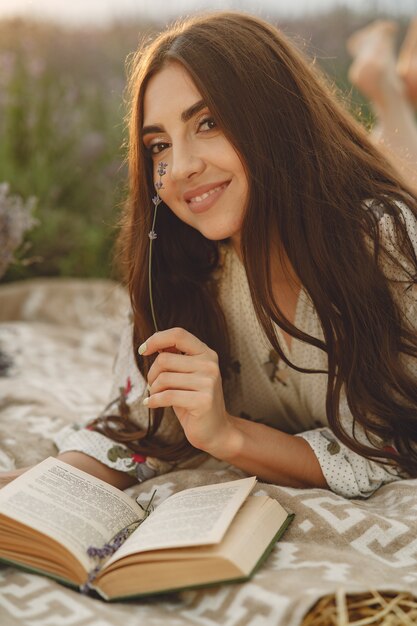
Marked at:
<point>283,274</point>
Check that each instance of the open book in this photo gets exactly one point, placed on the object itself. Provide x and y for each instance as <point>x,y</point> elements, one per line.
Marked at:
<point>52,514</point>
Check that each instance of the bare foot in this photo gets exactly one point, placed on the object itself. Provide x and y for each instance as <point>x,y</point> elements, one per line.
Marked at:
<point>373,70</point>
<point>407,62</point>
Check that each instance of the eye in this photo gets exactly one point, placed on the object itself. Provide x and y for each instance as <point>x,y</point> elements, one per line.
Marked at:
<point>157,148</point>
<point>209,122</point>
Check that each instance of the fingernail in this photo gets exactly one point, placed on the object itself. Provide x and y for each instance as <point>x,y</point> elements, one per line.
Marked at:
<point>148,388</point>
<point>142,348</point>
<point>145,401</point>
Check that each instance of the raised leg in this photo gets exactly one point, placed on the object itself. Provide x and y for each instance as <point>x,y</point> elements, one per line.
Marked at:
<point>407,62</point>
<point>374,73</point>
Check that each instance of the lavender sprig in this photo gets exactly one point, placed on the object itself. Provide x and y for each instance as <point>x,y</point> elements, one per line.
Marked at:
<point>162,169</point>
<point>109,548</point>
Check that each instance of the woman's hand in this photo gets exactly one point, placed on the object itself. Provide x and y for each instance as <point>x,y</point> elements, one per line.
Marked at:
<point>186,376</point>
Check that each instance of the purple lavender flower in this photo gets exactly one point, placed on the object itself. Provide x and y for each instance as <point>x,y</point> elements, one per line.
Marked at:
<point>162,168</point>
<point>87,586</point>
<point>109,548</point>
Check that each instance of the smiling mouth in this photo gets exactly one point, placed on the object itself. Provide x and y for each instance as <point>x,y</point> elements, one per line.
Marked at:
<point>207,194</point>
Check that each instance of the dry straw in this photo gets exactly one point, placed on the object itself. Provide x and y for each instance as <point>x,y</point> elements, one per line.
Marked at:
<point>372,608</point>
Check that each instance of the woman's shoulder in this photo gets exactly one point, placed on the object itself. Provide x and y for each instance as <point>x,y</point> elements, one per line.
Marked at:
<point>389,215</point>
<point>385,212</point>
<point>397,236</point>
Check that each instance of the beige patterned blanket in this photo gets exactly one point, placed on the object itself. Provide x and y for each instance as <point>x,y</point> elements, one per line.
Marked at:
<point>62,337</point>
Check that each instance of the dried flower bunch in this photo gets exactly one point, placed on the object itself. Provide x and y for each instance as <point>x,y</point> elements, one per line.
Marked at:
<point>15,220</point>
<point>109,548</point>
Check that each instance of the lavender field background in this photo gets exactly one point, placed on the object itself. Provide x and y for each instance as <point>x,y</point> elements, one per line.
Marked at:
<point>63,135</point>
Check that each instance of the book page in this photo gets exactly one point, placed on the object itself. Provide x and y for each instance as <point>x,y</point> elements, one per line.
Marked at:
<point>69,505</point>
<point>192,517</point>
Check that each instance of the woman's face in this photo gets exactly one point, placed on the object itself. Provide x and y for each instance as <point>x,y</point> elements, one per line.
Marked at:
<point>205,184</point>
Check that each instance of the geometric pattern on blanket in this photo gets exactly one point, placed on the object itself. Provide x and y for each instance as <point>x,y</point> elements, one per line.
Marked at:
<point>63,342</point>
<point>332,543</point>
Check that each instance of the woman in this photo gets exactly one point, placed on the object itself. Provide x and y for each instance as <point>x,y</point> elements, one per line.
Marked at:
<point>282,276</point>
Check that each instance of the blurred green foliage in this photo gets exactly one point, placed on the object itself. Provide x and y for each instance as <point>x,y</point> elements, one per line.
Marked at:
<point>62,129</point>
<point>62,133</point>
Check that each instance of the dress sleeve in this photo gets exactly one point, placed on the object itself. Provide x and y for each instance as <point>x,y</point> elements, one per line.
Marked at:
<point>346,472</point>
<point>127,394</point>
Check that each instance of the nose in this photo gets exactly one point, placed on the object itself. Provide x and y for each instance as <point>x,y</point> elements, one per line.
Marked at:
<point>185,161</point>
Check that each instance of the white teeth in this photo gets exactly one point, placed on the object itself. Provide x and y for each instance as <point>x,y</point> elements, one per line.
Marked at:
<point>207,194</point>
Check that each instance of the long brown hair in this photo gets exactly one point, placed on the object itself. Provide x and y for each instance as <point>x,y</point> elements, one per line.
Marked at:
<point>311,169</point>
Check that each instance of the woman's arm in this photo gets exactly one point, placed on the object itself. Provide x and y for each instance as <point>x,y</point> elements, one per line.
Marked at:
<point>269,453</point>
<point>121,480</point>
<point>186,376</point>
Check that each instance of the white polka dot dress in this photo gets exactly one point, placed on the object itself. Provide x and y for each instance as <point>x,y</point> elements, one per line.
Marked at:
<point>265,390</point>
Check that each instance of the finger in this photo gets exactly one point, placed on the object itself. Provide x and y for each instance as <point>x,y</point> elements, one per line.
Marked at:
<point>174,381</point>
<point>178,398</point>
<point>184,364</point>
<point>177,338</point>
<point>169,362</point>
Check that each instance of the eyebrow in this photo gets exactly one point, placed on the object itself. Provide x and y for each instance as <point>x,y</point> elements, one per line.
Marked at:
<point>185,117</point>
